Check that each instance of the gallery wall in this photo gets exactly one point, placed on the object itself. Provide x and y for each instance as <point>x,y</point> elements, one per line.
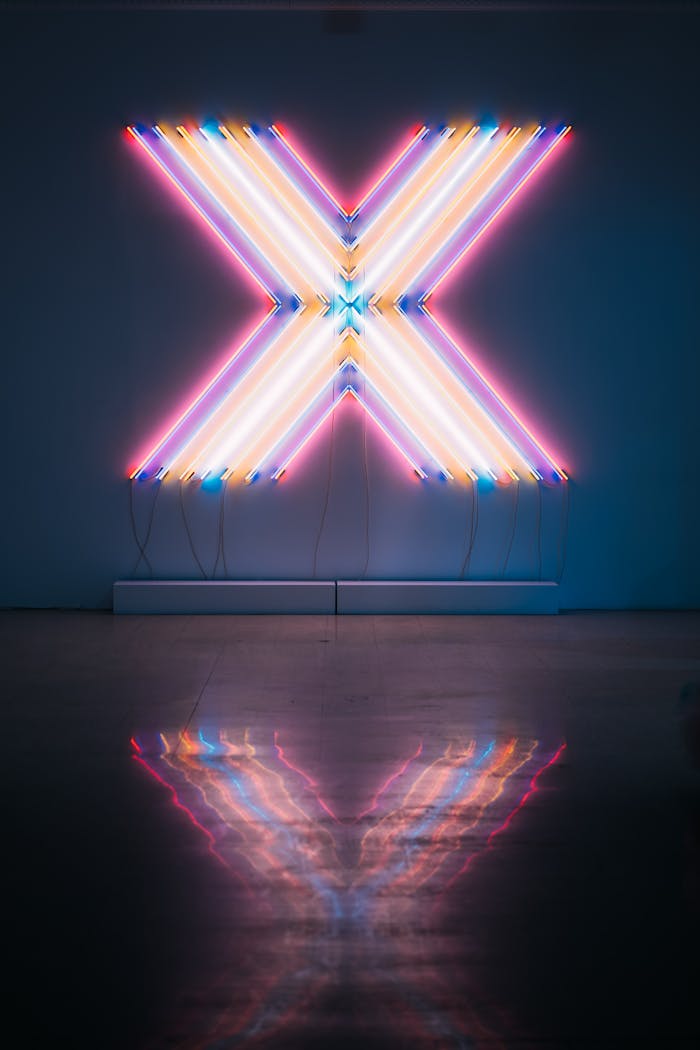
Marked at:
<point>581,306</point>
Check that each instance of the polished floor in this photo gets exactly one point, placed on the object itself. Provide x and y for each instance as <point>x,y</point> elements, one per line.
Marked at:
<point>384,832</point>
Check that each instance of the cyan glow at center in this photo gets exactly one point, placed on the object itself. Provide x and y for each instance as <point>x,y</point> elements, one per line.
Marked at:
<point>349,304</point>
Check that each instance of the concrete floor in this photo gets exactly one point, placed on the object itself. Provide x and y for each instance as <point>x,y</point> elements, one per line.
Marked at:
<point>377,831</point>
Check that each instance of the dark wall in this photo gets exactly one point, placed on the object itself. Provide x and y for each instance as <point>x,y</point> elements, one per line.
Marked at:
<point>582,304</point>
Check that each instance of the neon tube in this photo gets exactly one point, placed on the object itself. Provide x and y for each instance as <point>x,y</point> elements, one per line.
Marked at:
<point>459,209</point>
<point>215,214</point>
<point>317,411</point>
<point>482,229</point>
<point>267,204</point>
<point>296,206</point>
<point>235,210</point>
<point>333,274</point>
<point>408,156</point>
<point>224,448</point>
<point>435,196</point>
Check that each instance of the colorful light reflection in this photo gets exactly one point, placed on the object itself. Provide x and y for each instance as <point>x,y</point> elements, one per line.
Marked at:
<point>340,886</point>
<point>349,285</point>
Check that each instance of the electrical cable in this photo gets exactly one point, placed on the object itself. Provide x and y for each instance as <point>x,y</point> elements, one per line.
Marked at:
<point>366,476</point>
<point>223,530</point>
<point>473,527</point>
<point>468,530</point>
<point>189,534</point>
<point>365,465</point>
<point>516,501</point>
<point>327,497</point>
<point>219,533</point>
<point>142,546</point>
<point>538,530</point>
<point>563,530</point>
<point>329,476</point>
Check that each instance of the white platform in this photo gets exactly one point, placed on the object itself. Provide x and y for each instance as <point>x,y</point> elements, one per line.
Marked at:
<point>446,596</point>
<point>330,596</point>
<point>224,596</point>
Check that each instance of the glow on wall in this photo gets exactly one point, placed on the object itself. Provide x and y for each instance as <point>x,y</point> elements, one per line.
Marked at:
<point>349,295</point>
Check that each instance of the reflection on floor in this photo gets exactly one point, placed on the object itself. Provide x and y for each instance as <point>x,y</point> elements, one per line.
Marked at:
<point>349,902</point>
<point>351,832</point>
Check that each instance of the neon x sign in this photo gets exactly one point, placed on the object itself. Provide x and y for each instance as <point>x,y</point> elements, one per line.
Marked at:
<point>348,292</point>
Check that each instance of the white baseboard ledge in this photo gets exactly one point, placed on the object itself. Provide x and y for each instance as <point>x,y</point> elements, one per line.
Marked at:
<point>224,596</point>
<point>346,597</point>
<point>444,597</point>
